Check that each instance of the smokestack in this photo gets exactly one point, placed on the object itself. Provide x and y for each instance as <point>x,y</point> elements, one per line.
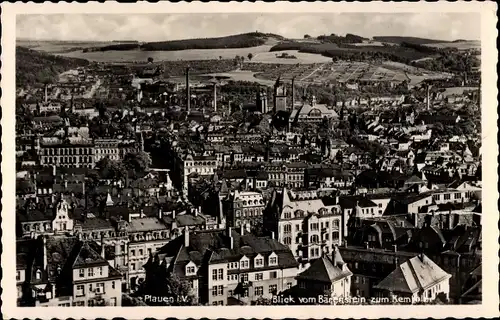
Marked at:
<point>242,229</point>
<point>103,248</point>
<point>188,93</point>
<point>293,92</point>
<point>44,241</point>
<point>160,214</point>
<point>428,98</point>
<point>215,97</point>
<point>186,237</point>
<point>46,94</point>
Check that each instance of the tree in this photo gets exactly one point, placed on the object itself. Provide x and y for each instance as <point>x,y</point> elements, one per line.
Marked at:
<point>306,36</point>
<point>150,60</point>
<point>175,291</point>
<point>138,162</point>
<point>250,56</point>
<point>109,169</point>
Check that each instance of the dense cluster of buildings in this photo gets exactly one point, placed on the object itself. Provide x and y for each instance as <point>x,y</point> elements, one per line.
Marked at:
<point>371,204</point>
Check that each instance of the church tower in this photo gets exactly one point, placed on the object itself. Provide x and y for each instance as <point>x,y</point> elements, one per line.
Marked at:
<point>262,100</point>
<point>279,96</point>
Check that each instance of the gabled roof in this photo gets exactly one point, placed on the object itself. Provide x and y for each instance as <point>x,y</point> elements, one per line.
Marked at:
<point>326,270</point>
<point>414,275</point>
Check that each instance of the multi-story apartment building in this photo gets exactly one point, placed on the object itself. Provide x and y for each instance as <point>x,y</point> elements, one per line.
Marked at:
<point>79,154</point>
<point>227,267</point>
<point>307,226</point>
<point>243,208</point>
<point>64,271</point>
<point>115,149</point>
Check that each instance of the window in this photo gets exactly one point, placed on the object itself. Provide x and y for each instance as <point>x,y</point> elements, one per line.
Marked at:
<point>230,293</point>
<point>244,277</point>
<point>287,240</point>
<point>287,228</point>
<point>220,290</point>
<point>190,270</point>
<point>380,205</point>
<point>315,226</point>
<point>335,235</point>
<point>273,261</point>
<point>81,273</point>
<point>457,195</point>
<point>259,276</point>
<point>288,285</point>
<point>214,291</point>
<point>99,271</point>
<point>297,227</point>
<point>259,291</point>
<point>447,196</point>
<point>99,288</point>
<point>273,288</point>
<point>132,253</point>
<point>221,274</point>
<point>80,290</point>
<point>132,266</point>
<point>355,279</point>
<point>18,275</point>
<point>140,252</point>
<point>90,272</point>
<point>436,197</point>
<point>113,285</point>
<point>244,264</point>
<point>273,274</point>
<point>214,274</point>
<point>259,262</point>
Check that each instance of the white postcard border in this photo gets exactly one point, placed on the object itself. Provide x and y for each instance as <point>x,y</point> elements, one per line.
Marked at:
<point>489,308</point>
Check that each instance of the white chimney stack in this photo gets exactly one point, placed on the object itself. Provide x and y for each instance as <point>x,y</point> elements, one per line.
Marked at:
<point>186,237</point>
<point>45,263</point>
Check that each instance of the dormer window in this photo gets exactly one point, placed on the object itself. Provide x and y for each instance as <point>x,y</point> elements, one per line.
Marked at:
<point>259,261</point>
<point>273,259</point>
<point>190,270</point>
<point>38,275</point>
<point>244,263</point>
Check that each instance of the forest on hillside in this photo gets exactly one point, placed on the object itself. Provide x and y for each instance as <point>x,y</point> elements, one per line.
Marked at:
<point>33,67</point>
<point>245,40</point>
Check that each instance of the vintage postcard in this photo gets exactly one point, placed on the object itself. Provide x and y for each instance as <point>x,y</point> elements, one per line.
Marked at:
<point>303,160</point>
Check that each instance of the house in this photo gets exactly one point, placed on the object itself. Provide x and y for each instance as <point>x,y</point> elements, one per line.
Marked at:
<point>225,267</point>
<point>309,227</point>
<point>417,280</point>
<point>65,271</point>
<point>327,277</point>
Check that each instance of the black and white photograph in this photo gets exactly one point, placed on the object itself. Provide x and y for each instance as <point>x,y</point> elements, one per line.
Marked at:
<point>249,159</point>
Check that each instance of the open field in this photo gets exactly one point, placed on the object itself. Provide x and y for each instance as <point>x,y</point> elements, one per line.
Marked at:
<point>191,54</point>
<point>271,57</point>
<point>59,47</point>
<point>236,75</point>
<point>461,45</point>
<point>342,71</point>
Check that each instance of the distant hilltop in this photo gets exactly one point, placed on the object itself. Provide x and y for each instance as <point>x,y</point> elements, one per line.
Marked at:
<point>245,40</point>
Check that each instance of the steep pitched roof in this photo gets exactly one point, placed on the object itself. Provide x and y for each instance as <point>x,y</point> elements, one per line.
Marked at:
<point>414,275</point>
<point>325,270</point>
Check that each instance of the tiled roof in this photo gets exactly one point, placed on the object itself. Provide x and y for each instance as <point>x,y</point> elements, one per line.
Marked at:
<point>326,270</point>
<point>416,274</point>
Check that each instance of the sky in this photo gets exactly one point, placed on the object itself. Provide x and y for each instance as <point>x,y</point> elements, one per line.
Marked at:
<point>162,27</point>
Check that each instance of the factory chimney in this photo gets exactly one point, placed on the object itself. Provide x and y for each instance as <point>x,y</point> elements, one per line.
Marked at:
<point>428,97</point>
<point>293,92</point>
<point>46,94</point>
<point>188,93</point>
<point>215,97</point>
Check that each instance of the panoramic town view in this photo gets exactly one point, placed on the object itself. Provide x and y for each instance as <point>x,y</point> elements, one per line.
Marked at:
<point>244,163</point>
